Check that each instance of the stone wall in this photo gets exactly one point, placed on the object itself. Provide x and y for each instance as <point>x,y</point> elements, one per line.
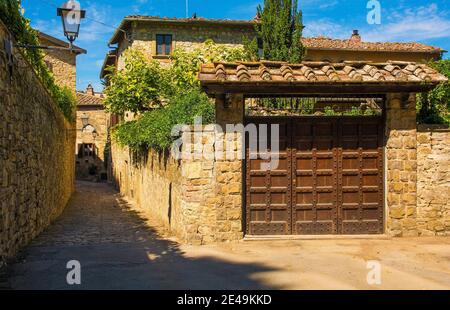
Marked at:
<point>185,37</point>
<point>433,180</point>
<point>62,64</point>
<point>36,155</point>
<point>401,165</point>
<point>153,182</point>
<point>199,200</point>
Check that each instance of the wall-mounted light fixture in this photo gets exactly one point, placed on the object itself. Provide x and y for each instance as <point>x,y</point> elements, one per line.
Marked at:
<point>71,15</point>
<point>84,119</point>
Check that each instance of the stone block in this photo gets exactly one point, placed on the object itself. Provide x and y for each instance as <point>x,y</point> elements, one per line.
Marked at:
<point>397,212</point>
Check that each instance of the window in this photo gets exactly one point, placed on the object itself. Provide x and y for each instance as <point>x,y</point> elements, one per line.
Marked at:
<point>163,44</point>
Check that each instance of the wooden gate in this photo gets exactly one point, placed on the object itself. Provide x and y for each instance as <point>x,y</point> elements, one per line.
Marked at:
<point>329,179</point>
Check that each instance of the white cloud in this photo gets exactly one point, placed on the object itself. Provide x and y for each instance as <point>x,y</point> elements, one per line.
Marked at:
<point>98,25</point>
<point>426,22</point>
<point>328,4</point>
<point>325,27</point>
<point>51,27</point>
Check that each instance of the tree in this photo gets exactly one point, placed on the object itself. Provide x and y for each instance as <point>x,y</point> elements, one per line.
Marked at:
<point>434,106</point>
<point>139,86</point>
<point>280,30</point>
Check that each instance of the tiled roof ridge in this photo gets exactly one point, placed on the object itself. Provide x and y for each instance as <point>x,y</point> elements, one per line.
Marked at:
<point>314,71</point>
<point>333,43</point>
<point>166,18</point>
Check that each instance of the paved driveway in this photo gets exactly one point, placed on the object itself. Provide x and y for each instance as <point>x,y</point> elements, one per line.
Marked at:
<point>119,249</point>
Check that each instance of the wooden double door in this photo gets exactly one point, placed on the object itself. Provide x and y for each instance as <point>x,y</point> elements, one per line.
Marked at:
<point>328,179</point>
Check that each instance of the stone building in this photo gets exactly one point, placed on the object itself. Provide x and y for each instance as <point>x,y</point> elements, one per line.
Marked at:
<point>159,36</point>
<point>92,123</point>
<point>339,174</point>
<point>61,62</point>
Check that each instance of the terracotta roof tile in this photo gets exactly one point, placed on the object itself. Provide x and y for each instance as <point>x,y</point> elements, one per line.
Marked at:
<point>329,43</point>
<point>190,20</point>
<point>85,99</point>
<point>319,71</point>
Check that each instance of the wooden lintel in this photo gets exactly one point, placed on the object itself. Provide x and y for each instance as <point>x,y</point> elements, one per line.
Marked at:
<point>274,90</point>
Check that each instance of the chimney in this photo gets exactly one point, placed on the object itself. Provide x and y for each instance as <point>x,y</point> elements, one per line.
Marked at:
<point>356,38</point>
<point>90,90</point>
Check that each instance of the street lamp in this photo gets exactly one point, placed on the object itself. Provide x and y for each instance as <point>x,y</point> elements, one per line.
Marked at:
<point>71,15</point>
<point>84,119</point>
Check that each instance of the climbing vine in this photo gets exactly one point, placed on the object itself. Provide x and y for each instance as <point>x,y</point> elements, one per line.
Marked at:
<point>11,14</point>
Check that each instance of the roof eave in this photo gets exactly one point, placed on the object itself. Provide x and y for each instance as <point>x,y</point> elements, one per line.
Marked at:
<point>61,43</point>
<point>105,64</point>
<point>267,88</point>
<point>116,36</point>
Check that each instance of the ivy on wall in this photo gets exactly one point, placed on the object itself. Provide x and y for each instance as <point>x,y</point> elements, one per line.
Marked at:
<point>11,14</point>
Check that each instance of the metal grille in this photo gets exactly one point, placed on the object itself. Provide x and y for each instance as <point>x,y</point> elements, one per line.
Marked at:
<point>314,106</point>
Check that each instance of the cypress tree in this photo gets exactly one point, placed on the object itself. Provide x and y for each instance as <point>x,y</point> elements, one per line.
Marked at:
<point>280,30</point>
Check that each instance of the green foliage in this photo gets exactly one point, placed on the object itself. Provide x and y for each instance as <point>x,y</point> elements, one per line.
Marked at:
<point>144,84</point>
<point>303,106</point>
<point>280,30</point>
<point>434,107</point>
<point>329,111</point>
<point>354,111</point>
<point>186,64</point>
<point>141,85</point>
<point>11,15</point>
<point>153,128</point>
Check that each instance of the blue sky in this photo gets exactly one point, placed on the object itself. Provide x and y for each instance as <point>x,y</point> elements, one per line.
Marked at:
<point>426,21</point>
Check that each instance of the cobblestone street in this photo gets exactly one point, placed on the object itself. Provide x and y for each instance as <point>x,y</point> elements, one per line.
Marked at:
<point>120,249</point>
<point>117,249</point>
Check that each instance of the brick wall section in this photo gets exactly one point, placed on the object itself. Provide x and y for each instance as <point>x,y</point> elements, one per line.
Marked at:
<point>36,156</point>
<point>401,157</point>
<point>433,180</point>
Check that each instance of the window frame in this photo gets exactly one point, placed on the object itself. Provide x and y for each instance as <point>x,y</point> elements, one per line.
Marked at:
<point>164,44</point>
